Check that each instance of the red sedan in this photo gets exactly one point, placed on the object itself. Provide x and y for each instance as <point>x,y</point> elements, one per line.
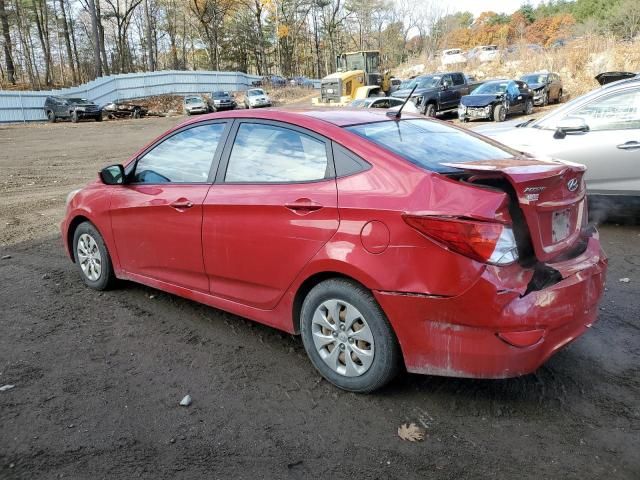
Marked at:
<point>383,242</point>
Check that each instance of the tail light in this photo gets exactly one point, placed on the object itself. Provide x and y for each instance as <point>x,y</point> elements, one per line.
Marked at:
<point>486,242</point>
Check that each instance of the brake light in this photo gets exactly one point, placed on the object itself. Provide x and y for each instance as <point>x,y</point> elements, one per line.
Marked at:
<point>486,242</point>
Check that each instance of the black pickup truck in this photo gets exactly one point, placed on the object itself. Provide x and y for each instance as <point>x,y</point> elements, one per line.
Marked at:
<point>438,92</point>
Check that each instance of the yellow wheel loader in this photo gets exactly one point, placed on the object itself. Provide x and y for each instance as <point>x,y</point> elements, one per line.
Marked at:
<point>358,74</point>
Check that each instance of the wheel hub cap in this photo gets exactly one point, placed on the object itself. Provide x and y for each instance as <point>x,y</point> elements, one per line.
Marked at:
<point>89,257</point>
<point>342,338</point>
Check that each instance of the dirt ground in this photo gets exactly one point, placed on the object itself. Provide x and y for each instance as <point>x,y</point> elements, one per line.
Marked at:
<point>98,376</point>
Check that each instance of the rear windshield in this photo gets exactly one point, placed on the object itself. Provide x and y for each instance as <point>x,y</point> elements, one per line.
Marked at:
<point>429,144</point>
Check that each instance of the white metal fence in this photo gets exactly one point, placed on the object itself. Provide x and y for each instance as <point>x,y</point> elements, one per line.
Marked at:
<point>27,106</point>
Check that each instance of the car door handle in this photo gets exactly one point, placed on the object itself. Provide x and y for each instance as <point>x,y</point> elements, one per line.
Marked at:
<point>303,206</point>
<point>633,145</point>
<point>182,204</point>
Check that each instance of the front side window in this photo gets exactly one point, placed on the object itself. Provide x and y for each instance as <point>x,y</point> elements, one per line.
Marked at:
<point>269,154</point>
<point>185,157</point>
<point>618,111</point>
<point>429,144</point>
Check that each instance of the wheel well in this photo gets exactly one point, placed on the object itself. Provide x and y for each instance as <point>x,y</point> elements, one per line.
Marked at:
<point>72,230</point>
<point>306,287</point>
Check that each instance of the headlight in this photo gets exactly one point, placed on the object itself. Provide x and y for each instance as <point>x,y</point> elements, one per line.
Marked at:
<point>70,196</point>
<point>462,108</point>
<point>487,109</point>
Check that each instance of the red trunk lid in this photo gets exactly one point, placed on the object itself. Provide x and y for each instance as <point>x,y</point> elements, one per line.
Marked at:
<point>551,195</point>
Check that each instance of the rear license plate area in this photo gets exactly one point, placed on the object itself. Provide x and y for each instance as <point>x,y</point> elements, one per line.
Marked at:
<point>560,225</point>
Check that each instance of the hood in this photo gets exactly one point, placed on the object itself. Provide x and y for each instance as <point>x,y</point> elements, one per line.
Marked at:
<point>481,100</point>
<point>493,129</point>
<point>608,77</point>
<point>81,103</point>
<point>405,92</point>
<point>536,86</point>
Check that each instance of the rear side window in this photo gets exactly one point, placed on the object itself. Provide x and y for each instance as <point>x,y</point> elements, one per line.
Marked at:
<point>429,144</point>
<point>458,79</point>
<point>619,111</point>
<point>270,154</point>
<point>185,157</point>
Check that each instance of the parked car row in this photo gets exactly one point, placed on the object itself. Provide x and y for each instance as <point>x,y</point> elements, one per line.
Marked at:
<point>486,53</point>
<point>441,92</point>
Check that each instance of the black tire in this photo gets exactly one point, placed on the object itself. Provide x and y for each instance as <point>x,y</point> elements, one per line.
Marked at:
<point>545,99</point>
<point>559,99</point>
<point>99,118</point>
<point>429,110</point>
<point>386,356</point>
<point>106,278</point>
<point>528,107</point>
<point>499,113</point>
<point>136,113</point>
<point>51,117</point>
<point>74,117</point>
<point>188,113</point>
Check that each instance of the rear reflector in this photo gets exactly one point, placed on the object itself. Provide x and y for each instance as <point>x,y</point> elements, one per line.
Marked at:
<point>483,241</point>
<point>522,339</point>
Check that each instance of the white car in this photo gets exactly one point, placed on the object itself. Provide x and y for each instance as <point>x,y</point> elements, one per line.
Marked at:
<point>484,53</point>
<point>452,56</point>
<point>390,103</point>
<point>256,98</point>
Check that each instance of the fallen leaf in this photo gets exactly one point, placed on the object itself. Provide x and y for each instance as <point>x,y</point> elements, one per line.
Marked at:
<point>411,432</point>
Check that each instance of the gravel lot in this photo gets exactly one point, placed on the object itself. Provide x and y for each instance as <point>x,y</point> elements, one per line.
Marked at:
<point>98,376</point>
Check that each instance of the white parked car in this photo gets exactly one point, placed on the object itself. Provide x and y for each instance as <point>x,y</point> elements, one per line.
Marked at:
<point>484,53</point>
<point>391,103</point>
<point>452,56</point>
<point>256,98</point>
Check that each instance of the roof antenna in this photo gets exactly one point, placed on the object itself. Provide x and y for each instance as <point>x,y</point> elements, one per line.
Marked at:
<point>398,114</point>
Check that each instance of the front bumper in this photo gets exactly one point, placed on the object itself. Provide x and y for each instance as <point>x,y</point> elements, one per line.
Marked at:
<point>458,336</point>
<point>538,98</point>
<point>474,113</point>
<point>197,110</point>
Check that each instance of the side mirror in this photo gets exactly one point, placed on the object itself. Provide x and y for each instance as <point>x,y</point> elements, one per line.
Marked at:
<point>112,175</point>
<point>445,85</point>
<point>570,125</point>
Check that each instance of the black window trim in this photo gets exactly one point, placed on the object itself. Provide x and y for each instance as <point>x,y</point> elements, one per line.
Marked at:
<point>226,154</point>
<point>131,168</point>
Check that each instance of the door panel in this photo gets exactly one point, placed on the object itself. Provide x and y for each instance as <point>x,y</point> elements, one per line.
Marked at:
<point>156,239</point>
<point>255,241</point>
<point>157,217</point>
<point>610,170</point>
<point>259,231</point>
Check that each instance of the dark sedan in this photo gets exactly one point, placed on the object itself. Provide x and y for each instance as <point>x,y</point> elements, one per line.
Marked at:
<point>495,100</point>
<point>547,87</point>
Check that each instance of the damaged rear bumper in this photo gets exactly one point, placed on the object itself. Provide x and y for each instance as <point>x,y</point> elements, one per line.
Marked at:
<point>468,335</point>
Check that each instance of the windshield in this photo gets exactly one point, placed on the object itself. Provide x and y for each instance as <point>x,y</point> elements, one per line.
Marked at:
<point>220,94</point>
<point>358,103</point>
<point>255,93</point>
<point>534,78</point>
<point>424,82</point>
<point>77,100</point>
<point>429,144</point>
<point>491,88</point>
<point>192,100</point>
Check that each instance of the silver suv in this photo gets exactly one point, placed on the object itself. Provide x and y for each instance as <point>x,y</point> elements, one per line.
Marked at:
<point>600,130</point>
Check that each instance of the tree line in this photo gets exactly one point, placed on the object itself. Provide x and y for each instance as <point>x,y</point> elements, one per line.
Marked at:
<point>49,43</point>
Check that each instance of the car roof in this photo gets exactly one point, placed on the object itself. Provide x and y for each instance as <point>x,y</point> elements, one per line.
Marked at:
<point>339,117</point>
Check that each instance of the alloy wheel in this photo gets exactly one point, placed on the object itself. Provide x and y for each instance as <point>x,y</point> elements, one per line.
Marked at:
<point>89,257</point>
<point>343,338</point>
